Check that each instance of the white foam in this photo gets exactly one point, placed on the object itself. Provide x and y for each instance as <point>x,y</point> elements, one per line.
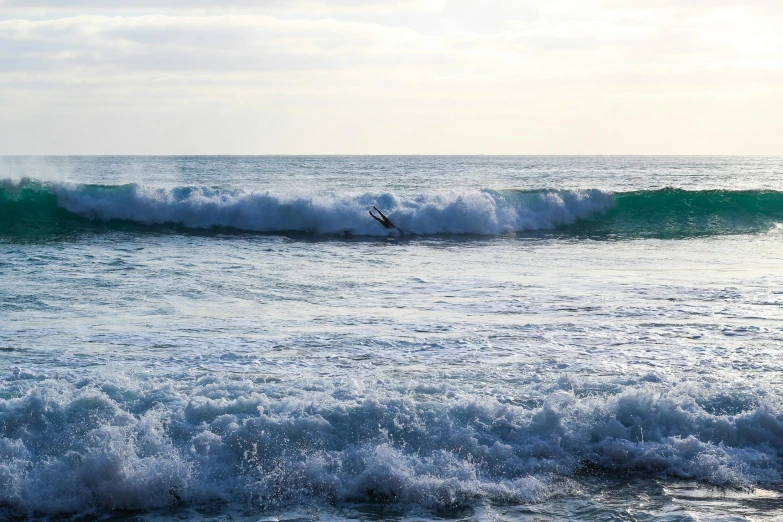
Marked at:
<point>98,445</point>
<point>453,212</point>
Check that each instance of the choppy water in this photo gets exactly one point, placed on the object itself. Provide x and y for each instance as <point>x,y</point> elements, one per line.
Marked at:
<point>203,338</point>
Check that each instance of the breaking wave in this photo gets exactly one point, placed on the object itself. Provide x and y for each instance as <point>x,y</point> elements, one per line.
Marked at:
<point>35,208</point>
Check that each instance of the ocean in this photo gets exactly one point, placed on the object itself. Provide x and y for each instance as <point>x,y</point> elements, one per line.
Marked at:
<point>235,338</point>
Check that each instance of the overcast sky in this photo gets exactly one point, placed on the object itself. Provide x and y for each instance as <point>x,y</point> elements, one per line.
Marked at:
<point>391,77</point>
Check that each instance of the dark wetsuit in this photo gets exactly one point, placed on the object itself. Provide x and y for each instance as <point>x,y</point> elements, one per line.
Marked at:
<point>383,220</point>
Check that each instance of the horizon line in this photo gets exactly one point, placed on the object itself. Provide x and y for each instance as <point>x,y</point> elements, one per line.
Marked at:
<point>278,155</point>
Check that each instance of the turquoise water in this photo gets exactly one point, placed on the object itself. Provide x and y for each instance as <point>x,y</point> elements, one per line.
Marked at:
<point>208,337</point>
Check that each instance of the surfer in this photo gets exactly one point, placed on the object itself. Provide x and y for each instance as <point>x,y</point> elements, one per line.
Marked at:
<point>383,220</point>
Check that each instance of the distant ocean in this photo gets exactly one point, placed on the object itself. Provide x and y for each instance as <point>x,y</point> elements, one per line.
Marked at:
<point>214,338</point>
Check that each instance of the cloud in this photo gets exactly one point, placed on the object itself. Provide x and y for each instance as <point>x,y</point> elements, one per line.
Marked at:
<point>342,60</point>
<point>212,43</point>
<point>555,45</point>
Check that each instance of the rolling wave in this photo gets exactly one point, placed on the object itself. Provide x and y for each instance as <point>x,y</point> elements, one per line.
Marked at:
<point>30,208</point>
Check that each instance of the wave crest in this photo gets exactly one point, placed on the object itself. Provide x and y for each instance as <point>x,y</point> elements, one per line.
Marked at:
<point>31,207</point>
<point>452,212</point>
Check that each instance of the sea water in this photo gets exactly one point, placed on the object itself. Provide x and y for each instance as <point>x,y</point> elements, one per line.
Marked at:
<point>215,338</point>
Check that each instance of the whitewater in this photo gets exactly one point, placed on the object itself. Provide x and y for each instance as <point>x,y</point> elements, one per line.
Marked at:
<point>207,338</point>
<point>456,212</point>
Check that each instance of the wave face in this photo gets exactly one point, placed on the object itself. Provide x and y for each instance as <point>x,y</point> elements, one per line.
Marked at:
<point>36,208</point>
<point>95,445</point>
<point>672,213</point>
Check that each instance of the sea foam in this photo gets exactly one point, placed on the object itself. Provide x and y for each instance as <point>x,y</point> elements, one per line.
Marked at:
<point>100,444</point>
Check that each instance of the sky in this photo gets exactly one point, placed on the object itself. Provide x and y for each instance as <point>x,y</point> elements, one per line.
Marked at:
<point>391,77</point>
